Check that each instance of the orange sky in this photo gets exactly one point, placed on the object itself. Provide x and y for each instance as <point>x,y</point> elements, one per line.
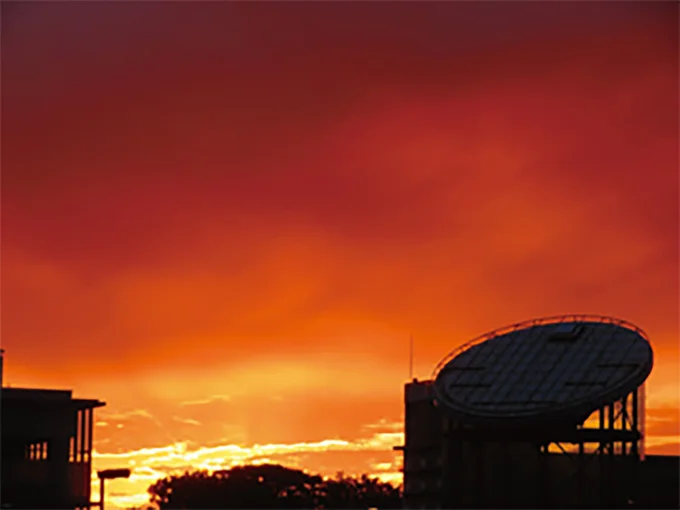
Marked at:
<point>253,205</point>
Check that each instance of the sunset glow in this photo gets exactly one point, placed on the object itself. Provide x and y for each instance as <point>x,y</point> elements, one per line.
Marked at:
<point>225,219</point>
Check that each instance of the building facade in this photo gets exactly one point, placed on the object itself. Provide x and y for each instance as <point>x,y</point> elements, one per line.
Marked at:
<point>448,465</point>
<point>45,449</point>
<point>423,448</point>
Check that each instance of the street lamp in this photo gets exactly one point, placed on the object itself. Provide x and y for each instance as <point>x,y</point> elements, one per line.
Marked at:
<point>109,474</point>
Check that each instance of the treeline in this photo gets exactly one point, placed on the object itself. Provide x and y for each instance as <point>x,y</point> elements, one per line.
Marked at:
<point>271,486</point>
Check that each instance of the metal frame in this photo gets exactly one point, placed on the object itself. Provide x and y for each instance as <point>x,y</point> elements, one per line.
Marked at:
<point>555,319</point>
<point>606,457</point>
<point>568,462</point>
<point>620,445</point>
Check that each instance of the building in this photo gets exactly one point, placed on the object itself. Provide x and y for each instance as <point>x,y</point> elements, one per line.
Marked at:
<point>423,447</point>
<point>45,449</point>
<point>660,478</point>
<point>492,472</point>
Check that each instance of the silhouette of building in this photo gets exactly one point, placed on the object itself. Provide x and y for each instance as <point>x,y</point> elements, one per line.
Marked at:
<point>423,447</point>
<point>513,474</point>
<point>45,448</point>
<point>454,459</point>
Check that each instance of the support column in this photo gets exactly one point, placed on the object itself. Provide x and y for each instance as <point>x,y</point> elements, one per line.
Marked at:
<point>634,453</point>
<point>624,425</point>
<point>634,420</point>
<point>580,476</point>
<point>543,492</point>
<point>101,494</point>
<point>611,458</point>
<point>601,459</point>
<point>90,426</point>
<point>87,430</point>
<point>79,436</point>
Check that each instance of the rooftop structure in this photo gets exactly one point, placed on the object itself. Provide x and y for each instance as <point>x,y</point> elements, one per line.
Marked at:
<point>558,368</point>
<point>546,413</point>
<point>45,448</point>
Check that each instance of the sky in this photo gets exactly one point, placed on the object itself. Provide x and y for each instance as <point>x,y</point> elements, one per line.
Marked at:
<point>225,219</point>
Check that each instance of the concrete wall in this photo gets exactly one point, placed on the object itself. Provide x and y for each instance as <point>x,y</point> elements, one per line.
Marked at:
<point>422,448</point>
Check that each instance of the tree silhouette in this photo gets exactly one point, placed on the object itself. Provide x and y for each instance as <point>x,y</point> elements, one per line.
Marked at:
<point>271,486</point>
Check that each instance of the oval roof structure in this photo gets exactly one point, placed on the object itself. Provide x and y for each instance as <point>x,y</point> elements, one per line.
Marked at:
<point>557,368</point>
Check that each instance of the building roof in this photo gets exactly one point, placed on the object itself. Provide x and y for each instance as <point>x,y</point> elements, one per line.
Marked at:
<point>45,396</point>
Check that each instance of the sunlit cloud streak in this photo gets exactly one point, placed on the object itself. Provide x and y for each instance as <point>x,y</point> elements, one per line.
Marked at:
<point>151,464</point>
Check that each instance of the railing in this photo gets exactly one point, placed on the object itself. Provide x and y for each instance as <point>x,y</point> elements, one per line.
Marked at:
<point>556,319</point>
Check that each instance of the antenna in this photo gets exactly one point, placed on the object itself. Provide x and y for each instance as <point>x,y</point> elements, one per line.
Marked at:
<point>410,359</point>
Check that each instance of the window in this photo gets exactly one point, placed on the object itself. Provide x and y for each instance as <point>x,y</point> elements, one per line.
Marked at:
<point>37,451</point>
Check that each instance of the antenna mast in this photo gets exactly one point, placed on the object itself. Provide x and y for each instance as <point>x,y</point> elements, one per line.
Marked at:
<point>410,359</point>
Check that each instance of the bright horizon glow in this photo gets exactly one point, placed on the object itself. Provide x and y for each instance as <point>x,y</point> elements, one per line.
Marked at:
<point>151,464</point>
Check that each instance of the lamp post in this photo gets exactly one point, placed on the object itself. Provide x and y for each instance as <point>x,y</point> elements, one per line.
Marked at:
<point>109,474</point>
